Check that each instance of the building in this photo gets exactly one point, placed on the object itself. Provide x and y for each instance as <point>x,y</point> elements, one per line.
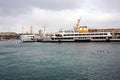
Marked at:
<point>8,35</point>
<point>114,32</point>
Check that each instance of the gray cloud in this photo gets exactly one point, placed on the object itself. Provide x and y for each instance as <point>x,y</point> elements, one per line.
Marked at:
<point>103,5</point>
<point>15,7</point>
<point>110,5</point>
<point>14,13</point>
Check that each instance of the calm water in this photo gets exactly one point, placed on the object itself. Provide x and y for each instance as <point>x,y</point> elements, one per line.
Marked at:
<point>59,61</point>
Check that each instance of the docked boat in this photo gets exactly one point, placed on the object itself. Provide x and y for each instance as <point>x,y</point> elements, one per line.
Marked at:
<point>71,36</point>
<point>80,34</point>
<point>27,38</point>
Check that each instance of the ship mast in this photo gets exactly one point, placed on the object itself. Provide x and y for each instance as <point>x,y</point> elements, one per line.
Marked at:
<point>31,31</point>
<point>44,29</point>
<point>22,30</point>
<point>77,25</point>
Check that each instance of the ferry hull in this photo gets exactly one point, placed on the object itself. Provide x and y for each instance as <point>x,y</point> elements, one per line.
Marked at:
<point>87,40</point>
<point>80,40</point>
<point>114,40</point>
<point>27,38</point>
<point>48,39</point>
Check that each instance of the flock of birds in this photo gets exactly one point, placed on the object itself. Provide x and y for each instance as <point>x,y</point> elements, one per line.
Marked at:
<point>104,51</point>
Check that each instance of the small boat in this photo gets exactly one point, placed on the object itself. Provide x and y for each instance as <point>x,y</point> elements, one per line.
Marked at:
<point>27,37</point>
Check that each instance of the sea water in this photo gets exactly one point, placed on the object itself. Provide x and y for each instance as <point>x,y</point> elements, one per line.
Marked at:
<point>59,61</point>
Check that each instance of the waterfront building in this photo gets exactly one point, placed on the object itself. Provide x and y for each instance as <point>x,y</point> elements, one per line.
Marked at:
<point>8,35</point>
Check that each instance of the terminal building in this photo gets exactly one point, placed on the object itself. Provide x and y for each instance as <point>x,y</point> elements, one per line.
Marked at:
<point>8,35</point>
<point>114,32</point>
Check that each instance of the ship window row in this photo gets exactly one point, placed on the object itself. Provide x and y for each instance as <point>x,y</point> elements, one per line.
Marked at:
<point>60,38</point>
<point>84,34</point>
<point>99,37</point>
<point>116,37</point>
<point>92,38</point>
<point>30,36</point>
<point>83,37</point>
<point>59,35</point>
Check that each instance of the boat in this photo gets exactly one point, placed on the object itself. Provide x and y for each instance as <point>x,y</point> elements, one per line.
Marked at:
<point>79,34</point>
<point>27,37</point>
<point>71,36</point>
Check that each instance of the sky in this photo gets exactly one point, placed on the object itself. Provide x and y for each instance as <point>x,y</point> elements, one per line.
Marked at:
<point>58,14</point>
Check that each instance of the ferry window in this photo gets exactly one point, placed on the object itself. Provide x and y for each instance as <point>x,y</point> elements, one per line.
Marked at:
<point>60,31</point>
<point>105,33</point>
<point>58,35</point>
<point>65,35</point>
<point>109,37</point>
<point>76,34</point>
<point>84,38</point>
<point>72,34</point>
<point>68,34</point>
<point>99,37</point>
<point>52,38</point>
<point>95,37</point>
<point>97,34</point>
<point>101,33</point>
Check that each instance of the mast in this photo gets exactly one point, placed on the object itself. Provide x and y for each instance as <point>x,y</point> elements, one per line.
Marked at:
<point>31,31</point>
<point>77,25</point>
<point>44,28</point>
<point>22,30</point>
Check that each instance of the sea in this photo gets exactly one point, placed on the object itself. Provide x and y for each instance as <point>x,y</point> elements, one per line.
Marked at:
<point>59,61</point>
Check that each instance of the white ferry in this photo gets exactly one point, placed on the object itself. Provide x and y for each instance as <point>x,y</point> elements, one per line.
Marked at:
<point>80,33</point>
<point>71,36</point>
<point>27,38</point>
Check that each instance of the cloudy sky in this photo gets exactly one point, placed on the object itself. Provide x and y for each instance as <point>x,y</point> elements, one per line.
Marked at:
<point>57,14</point>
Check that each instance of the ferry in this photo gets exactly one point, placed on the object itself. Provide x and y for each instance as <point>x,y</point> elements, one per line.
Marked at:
<point>79,34</point>
<point>72,36</point>
<point>28,37</point>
